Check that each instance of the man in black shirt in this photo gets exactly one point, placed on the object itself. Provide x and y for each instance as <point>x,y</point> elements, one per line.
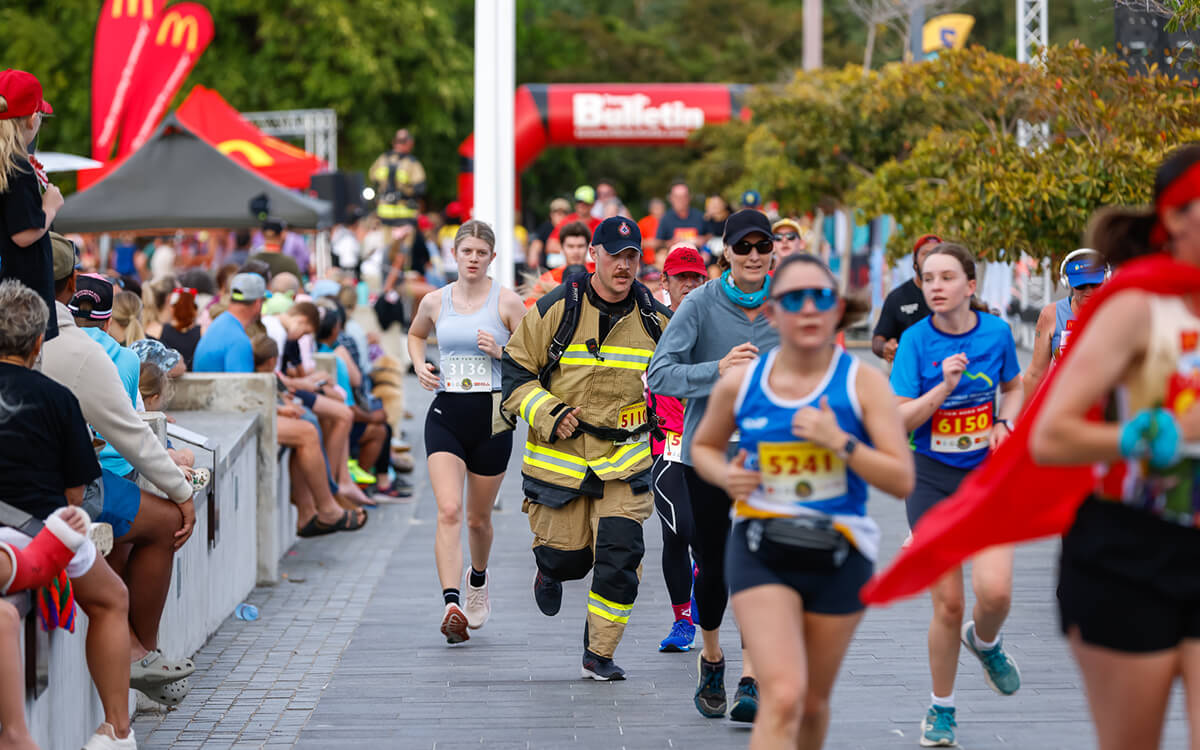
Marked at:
<point>905,304</point>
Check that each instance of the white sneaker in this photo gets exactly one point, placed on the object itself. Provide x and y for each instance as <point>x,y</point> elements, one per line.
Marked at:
<point>479,607</point>
<point>105,738</point>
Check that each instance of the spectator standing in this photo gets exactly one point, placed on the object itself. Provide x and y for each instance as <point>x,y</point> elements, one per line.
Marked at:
<point>682,222</point>
<point>585,198</point>
<point>28,202</point>
<point>225,347</point>
<point>606,194</point>
<point>271,251</point>
<point>648,225</point>
<point>716,211</point>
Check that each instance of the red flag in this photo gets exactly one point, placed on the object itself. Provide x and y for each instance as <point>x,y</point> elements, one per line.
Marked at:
<point>1009,498</point>
<point>182,34</point>
<point>122,33</point>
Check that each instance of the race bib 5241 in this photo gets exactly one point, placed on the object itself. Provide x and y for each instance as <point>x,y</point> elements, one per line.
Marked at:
<point>800,472</point>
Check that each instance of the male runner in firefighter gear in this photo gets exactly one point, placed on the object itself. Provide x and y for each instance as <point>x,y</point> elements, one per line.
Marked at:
<point>399,181</point>
<point>587,460</point>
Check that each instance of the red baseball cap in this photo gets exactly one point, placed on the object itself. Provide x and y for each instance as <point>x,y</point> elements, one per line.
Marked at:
<point>684,259</point>
<point>21,95</point>
<point>925,238</point>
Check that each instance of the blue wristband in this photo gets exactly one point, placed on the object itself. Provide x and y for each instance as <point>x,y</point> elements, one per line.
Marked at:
<point>1152,434</point>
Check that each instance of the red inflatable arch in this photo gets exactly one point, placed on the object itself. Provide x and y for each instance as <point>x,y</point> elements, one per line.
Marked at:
<point>605,114</point>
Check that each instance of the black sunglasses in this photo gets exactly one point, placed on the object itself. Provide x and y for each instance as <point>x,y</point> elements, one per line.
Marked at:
<point>789,236</point>
<point>743,247</point>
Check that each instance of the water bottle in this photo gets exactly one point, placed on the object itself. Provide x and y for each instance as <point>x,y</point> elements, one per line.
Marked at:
<point>247,612</point>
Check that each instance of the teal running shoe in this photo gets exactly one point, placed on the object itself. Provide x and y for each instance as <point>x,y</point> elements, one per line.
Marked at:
<point>937,728</point>
<point>680,638</point>
<point>745,701</point>
<point>999,669</point>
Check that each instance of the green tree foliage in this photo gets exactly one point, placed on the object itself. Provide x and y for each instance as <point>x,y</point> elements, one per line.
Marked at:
<point>935,144</point>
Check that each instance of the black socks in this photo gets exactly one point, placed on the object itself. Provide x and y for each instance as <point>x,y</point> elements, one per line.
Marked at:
<point>450,595</point>
<point>478,578</point>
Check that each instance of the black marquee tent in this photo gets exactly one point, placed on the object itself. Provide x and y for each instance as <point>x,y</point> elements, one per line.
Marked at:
<point>177,181</point>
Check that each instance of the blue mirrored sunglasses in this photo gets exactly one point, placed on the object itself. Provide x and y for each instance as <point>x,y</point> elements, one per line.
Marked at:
<point>823,298</point>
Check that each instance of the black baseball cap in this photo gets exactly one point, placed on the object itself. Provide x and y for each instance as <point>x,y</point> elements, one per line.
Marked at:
<point>93,298</point>
<point>617,233</point>
<point>743,222</point>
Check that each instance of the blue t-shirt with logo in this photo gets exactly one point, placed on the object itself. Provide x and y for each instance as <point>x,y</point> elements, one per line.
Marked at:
<point>957,433</point>
<point>224,347</point>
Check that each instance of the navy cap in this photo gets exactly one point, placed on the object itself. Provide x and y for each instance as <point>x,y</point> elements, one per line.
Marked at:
<point>617,233</point>
<point>751,199</point>
<point>93,298</point>
<point>743,223</point>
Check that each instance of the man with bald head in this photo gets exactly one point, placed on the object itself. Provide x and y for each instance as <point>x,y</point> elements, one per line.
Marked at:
<point>283,287</point>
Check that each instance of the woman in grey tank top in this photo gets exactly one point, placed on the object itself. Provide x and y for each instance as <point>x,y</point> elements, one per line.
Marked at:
<point>472,319</point>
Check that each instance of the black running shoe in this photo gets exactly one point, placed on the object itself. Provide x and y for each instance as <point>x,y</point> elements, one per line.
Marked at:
<point>547,592</point>
<point>600,668</point>
<point>710,697</point>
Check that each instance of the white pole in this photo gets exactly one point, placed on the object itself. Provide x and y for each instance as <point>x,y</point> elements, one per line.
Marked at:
<point>813,33</point>
<point>495,83</point>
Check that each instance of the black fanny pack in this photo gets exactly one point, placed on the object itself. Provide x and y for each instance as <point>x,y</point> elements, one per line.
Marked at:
<point>801,543</point>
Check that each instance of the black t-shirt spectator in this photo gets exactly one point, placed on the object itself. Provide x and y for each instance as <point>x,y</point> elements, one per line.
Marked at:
<point>21,209</point>
<point>715,228</point>
<point>183,342</point>
<point>904,306</point>
<point>543,231</point>
<point>45,445</point>
<point>671,228</point>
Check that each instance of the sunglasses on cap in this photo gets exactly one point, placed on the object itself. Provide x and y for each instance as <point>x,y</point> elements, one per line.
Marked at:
<point>743,247</point>
<point>789,236</point>
<point>823,298</point>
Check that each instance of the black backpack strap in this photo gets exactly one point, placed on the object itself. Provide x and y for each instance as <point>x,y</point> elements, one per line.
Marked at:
<point>572,302</point>
<point>645,306</point>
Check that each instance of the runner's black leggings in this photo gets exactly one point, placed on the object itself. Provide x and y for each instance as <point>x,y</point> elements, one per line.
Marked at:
<point>711,524</point>
<point>675,515</point>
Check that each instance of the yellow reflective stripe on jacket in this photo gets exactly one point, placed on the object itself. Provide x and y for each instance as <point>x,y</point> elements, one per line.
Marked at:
<point>555,461</point>
<point>624,357</point>
<point>531,402</point>
<point>622,459</point>
<point>608,609</point>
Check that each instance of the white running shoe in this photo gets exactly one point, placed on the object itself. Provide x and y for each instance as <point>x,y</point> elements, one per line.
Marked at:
<point>479,606</point>
<point>105,738</point>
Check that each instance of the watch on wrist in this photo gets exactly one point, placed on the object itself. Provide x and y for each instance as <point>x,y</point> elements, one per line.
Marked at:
<point>1008,425</point>
<point>848,448</point>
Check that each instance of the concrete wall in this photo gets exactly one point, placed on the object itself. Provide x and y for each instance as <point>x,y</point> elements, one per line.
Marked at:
<point>244,524</point>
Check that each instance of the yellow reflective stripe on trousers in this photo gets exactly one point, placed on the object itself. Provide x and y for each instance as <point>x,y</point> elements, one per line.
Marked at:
<point>608,609</point>
<point>627,456</point>
<point>532,400</point>
<point>555,461</point>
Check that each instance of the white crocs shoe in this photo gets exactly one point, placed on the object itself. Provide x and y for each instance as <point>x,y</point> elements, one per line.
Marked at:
<point>105,738</point>
<point>479,606</point>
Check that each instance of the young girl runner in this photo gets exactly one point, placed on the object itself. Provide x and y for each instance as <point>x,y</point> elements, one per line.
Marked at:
<point>816,429</point>
<point>946,372</point>
<point>472,319</point>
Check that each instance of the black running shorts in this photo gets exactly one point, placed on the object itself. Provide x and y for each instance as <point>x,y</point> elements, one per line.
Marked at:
<point>461,423</point>
<point>1128,580</point>
<point>936,481</point>
<point>824,593</point>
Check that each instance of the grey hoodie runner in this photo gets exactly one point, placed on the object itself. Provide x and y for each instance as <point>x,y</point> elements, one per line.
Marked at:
<point>702,331</point>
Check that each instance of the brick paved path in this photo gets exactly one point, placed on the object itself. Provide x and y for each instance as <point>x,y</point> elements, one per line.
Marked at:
<point>347,654</point>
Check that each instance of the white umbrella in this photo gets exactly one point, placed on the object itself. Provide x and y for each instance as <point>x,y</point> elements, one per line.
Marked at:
<point>53,161</point>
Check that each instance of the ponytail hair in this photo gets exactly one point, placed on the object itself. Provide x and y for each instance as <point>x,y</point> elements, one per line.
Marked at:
<point>966,260</point>
<point>127,312</point>
<point>1121,234</point>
